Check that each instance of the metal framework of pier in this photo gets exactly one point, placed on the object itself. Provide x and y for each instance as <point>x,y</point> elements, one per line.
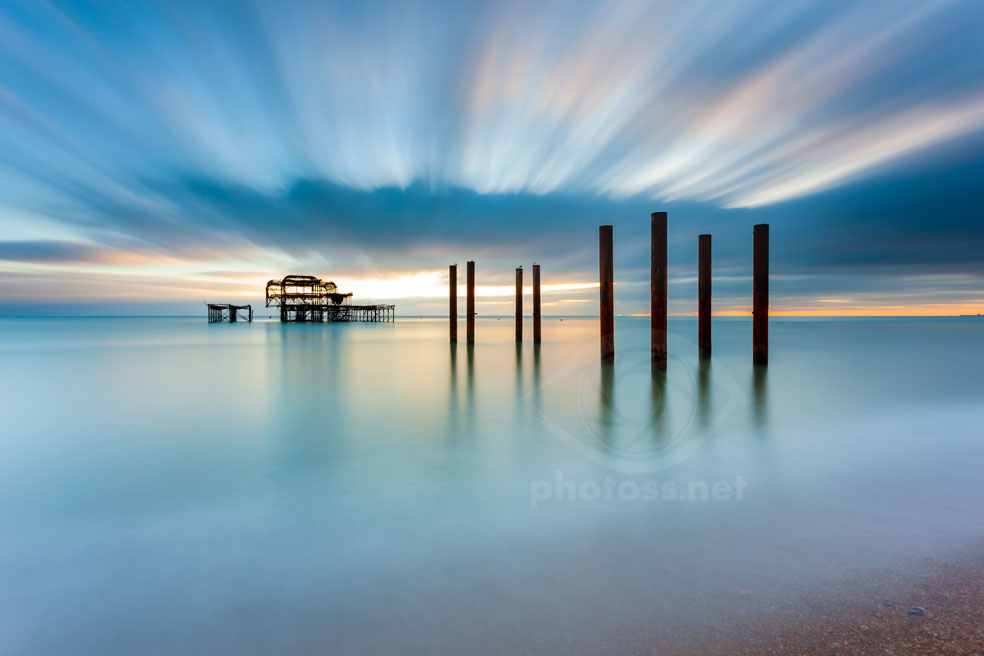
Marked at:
<point>311,299</point>
<point>227,312</point>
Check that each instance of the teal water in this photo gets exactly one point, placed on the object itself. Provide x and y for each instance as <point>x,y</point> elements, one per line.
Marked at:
<point>169,486</point>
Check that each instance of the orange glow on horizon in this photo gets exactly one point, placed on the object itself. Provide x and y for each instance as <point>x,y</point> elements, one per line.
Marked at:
<point>232,281</point>
<point>873,311</point>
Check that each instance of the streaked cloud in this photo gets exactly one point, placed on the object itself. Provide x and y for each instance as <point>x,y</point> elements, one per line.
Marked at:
<point>379,140</point>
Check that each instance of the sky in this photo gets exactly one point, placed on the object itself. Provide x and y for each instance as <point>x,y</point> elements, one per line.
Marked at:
<point>157,155</point>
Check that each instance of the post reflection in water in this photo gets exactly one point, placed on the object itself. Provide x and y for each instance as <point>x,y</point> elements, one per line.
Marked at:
<point>521,407</point>
<point>537,405</point>
<point>660,409</point>
<point>704,393</point>
<point>470,376</point>
<point>519,372</point>
<point>606,401</point>
<point>453,391</point>
<point>760,393</point>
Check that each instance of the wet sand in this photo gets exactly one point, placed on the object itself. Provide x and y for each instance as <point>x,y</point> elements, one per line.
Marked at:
<point>866,615</point>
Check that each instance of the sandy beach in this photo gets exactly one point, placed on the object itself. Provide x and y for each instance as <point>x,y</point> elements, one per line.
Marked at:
<point>875,613</point>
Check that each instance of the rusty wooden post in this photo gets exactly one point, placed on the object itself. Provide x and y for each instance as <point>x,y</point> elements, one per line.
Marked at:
<point>519,304</point>
<point>704,295</point>
<point>536,303</point>
<point>607,280</point>
<point>760,296</point>
<point>470,303</point>
<point>657,291</point>
<point>453,291</point>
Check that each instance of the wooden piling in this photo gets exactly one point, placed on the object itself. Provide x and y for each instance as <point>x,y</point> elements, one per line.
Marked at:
<point>470,303</point>
<point>453,301</point>
<point>607,280</point>
<point>760,296</point>
<point>704,295</point>
<point>519,304</point>
<point>536,303</point>
<point>657,290</point>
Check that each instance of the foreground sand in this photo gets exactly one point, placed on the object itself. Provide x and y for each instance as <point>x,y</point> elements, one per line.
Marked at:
<point>867,615</point>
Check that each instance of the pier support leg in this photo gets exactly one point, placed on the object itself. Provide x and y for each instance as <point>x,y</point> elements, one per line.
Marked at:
<point>760,296</point>
<point>470,304</point>
<point>453,300</point>
<point>704,295</point>
<point>519,304</point>
<point>607,280</point>
<point>657,291</point>
<point>536,303</point>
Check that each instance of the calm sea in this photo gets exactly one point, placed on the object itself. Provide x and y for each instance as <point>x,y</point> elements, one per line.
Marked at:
<point>169,486</point>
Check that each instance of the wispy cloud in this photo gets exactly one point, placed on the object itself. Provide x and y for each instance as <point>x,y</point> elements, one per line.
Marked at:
<point>373,139</point>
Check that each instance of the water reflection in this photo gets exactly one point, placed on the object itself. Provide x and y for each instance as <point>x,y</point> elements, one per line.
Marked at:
<point>312,359</point>
<point>453,390</point>
<point>760,395</point>
<point>470,375</point>
<point>519,371</point>
<point>606,401</point>
<point>324,443</point>
<point>659,411</point>
<point>704,393</point>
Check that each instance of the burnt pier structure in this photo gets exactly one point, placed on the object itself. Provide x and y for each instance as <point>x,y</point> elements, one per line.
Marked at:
<point>218,312</point>
<point>311,299</point>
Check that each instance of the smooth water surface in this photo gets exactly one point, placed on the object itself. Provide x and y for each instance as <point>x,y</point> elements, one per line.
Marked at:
<point>169,486</point>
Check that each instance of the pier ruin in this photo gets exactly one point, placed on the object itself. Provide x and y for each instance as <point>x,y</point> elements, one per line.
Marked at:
<point>310,299</point>
<point>218,312</point>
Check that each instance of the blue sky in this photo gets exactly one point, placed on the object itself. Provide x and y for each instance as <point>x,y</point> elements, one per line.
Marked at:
<point>153,155</point>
